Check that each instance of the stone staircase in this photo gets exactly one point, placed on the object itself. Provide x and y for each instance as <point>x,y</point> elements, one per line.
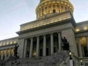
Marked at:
<point>54,60</point>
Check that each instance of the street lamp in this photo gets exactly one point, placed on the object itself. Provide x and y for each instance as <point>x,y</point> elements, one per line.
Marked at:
<point>81,62</point>
<point>71,61</point>
<point>70,55</point>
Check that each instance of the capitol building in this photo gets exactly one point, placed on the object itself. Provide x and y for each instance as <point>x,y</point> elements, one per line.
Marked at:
<point>42,37</point>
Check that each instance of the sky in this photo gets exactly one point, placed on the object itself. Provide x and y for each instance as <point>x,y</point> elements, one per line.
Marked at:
<point>13,13</point>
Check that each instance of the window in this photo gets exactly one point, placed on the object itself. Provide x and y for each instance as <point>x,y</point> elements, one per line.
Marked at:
<point>54,11</point>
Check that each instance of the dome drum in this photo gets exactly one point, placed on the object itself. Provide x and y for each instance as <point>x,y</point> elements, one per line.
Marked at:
<point>47,7</point>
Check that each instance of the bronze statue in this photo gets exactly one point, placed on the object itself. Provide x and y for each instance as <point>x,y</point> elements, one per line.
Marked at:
<point>65,45</point>
<point>15,50</point>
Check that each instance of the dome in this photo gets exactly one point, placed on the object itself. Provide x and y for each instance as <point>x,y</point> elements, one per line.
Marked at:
<point>48,7</point>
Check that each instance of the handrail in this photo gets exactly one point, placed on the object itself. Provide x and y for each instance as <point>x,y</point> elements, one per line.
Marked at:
<point>64,61</point>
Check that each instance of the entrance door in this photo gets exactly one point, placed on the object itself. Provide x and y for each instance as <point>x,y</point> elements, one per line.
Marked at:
<point>40,52</point>
<point>47,51</point>
<point>54,49</point>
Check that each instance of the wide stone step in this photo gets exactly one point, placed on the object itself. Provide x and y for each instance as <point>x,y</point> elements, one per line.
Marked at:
<point>41,61</point>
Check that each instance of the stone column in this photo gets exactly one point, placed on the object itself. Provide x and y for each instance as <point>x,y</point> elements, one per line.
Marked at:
<point>12,51</point>
<point>60,7</point>
<point>2,54</point>
<point>47,9</point>
<point>87,42</point>
<point>31,47</point>
<point>8,52</point>
<point>51,8</point>
<point>37,47</point>
<point>80,48</point>
<point>56,7</point>
<point>5,53</point>
<point>59,42</point>
<point>44,45</point>
<point>41,11</point>
<point>25,47</point>
<point>51,38</point>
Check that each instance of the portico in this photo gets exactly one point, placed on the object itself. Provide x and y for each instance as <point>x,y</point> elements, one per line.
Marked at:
<point>42,45</point>
<point>6,51</point>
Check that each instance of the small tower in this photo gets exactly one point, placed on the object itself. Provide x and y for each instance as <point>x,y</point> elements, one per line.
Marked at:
<point>49,7</point>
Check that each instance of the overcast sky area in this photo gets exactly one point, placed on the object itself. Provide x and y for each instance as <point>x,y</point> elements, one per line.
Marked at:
<point>13,13</point>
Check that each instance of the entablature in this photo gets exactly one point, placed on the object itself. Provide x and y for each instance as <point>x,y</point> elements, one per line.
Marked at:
<point>9,41</point>
<point>82,26</point>
<point>7,47</point>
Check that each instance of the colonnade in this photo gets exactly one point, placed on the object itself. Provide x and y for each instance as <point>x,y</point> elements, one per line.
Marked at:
<point>6,53</point>
<point>80,47</point>
<point>43,42</point>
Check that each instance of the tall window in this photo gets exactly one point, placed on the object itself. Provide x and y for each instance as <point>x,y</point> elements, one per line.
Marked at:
<point>54,11</point>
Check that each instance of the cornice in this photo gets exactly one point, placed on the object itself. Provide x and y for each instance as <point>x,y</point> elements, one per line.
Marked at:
<point>45,26</point>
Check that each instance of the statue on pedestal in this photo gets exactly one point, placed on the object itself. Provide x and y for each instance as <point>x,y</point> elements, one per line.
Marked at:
<point>65,45</point>
<point>15,50</point>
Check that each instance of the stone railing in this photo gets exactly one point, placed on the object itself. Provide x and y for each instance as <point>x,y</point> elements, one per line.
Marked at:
<point>65,62</point>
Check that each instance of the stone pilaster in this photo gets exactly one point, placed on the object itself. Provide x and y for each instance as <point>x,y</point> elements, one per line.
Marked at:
<point>70,36</point>
<point>21,48</point>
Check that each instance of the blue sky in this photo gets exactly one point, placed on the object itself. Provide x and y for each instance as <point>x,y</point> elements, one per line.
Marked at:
<point>16,12</point>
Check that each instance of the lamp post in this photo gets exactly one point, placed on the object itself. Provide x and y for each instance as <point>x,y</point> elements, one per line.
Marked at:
<point>81,63</point>
<point>71,61</point>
